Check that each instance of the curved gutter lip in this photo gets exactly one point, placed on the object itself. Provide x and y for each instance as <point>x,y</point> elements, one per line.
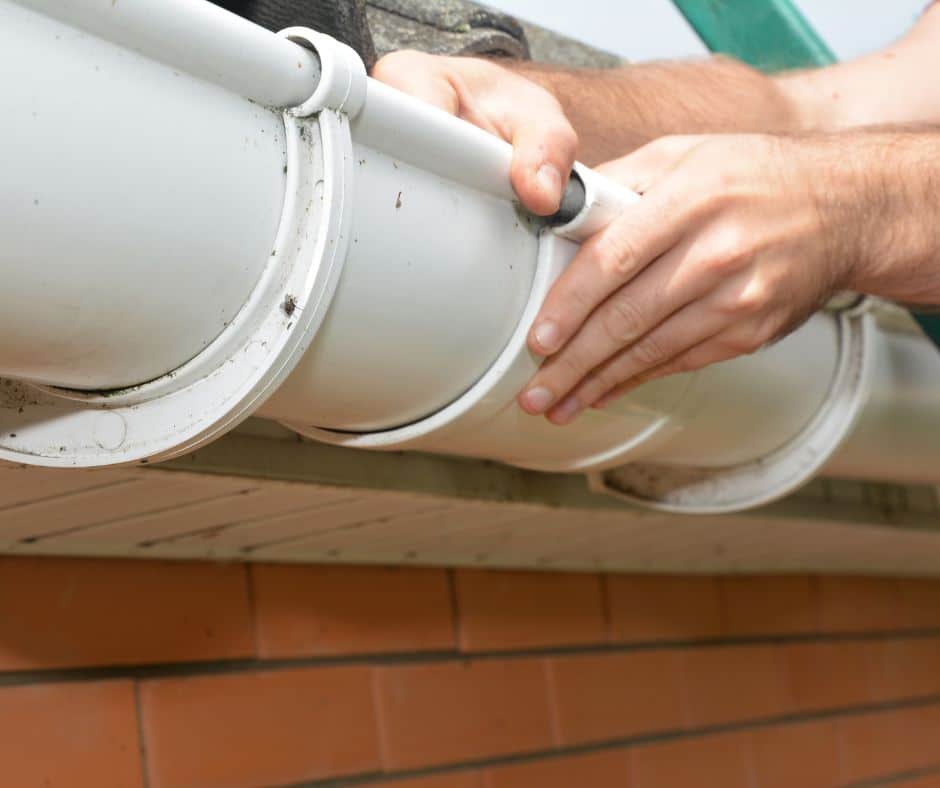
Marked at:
<point>771,477</point>
<point>181,412</point>
<point>493,392</point>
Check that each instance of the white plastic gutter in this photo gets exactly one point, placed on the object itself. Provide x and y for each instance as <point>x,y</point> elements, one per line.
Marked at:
<point>202,221</point>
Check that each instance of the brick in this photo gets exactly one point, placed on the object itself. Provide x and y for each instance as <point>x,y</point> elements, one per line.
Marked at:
<point>647,608</point>
<point>803,755</point>
<point>858,604</point>
<point>907,668</point>
<point>506,610</point>
<point>830,675</point>
<point>609,696</point>
<point>609,769</point>
<point>60,613</point>
<point>456,711</point>
<point>261,728</point>
<point>75,735</point>
<point>922,724</point>
<point>730,684</point>
<point>324,610</point>
<point>755,606</point>
<point>873,745</point>
<point>719,760</point>
<point>919,603</point>
<point>924,781</point>
<point>457,780</point>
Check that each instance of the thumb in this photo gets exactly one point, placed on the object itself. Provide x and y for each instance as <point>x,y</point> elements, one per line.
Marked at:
<point>544,148</point>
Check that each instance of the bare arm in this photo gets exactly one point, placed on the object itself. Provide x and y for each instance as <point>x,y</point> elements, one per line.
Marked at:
<point>894,86</point>
<point>615,111</point>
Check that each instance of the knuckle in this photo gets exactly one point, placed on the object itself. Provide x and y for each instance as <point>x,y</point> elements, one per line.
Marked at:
<point>623,320</point>
<point>615,255</point>
<point>570,366</point>
<point>576,299</point>
<point>648,352</point>
<point>721,264</point>
<point>754,298</point>
<point>729,252</point>
<point>741,344</point>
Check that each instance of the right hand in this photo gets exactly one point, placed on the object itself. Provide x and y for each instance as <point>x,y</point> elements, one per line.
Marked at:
<point>503,103</point>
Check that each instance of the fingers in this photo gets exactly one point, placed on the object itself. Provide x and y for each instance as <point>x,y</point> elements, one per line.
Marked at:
<point>544,148</point>
<point>503,103</point>
<point>711,351</point>
<point>628,318</point>
<point>665,344</point>
<point>606,262</point>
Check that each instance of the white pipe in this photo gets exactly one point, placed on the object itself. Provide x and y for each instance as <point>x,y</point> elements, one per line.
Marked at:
<point>201,39</point>
<point>433,284</point>
<point>394,310</point>
<point>406,129</point>
<point>138,207</point>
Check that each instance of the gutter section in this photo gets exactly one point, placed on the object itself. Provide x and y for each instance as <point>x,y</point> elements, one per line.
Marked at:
<point>377,295</point>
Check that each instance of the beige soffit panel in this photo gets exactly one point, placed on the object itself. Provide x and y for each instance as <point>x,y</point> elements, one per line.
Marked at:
<point>262,495</point>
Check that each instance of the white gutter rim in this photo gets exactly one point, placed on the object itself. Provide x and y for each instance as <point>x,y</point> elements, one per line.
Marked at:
<point>203,399</point>
<point>494,392</point>
<point>684,490</point>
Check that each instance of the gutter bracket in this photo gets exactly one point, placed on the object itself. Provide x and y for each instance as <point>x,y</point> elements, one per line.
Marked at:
<point>343,80</point>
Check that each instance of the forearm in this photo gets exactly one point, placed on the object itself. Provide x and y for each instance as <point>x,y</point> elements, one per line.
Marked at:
<point>615,111</point>
<point>877,192</point>
<point>893,86</point>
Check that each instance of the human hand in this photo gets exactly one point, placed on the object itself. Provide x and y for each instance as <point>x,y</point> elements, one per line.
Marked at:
<point>502,103</point>
<point>730,248</point>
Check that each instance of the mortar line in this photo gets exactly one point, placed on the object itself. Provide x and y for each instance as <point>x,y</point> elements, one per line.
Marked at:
<point>245,665</point>
<point>533,756</point>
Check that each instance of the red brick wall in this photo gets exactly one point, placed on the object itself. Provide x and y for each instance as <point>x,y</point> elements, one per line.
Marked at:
<point>124,674</point>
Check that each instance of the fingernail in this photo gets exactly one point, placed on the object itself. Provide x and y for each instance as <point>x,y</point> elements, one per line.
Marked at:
<point>538,399</point>
<point>547,336</point>
<point>566,411</point>
<point>549,180</point>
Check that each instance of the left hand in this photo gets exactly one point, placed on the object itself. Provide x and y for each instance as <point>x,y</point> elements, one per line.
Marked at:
<point>729,249</point>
